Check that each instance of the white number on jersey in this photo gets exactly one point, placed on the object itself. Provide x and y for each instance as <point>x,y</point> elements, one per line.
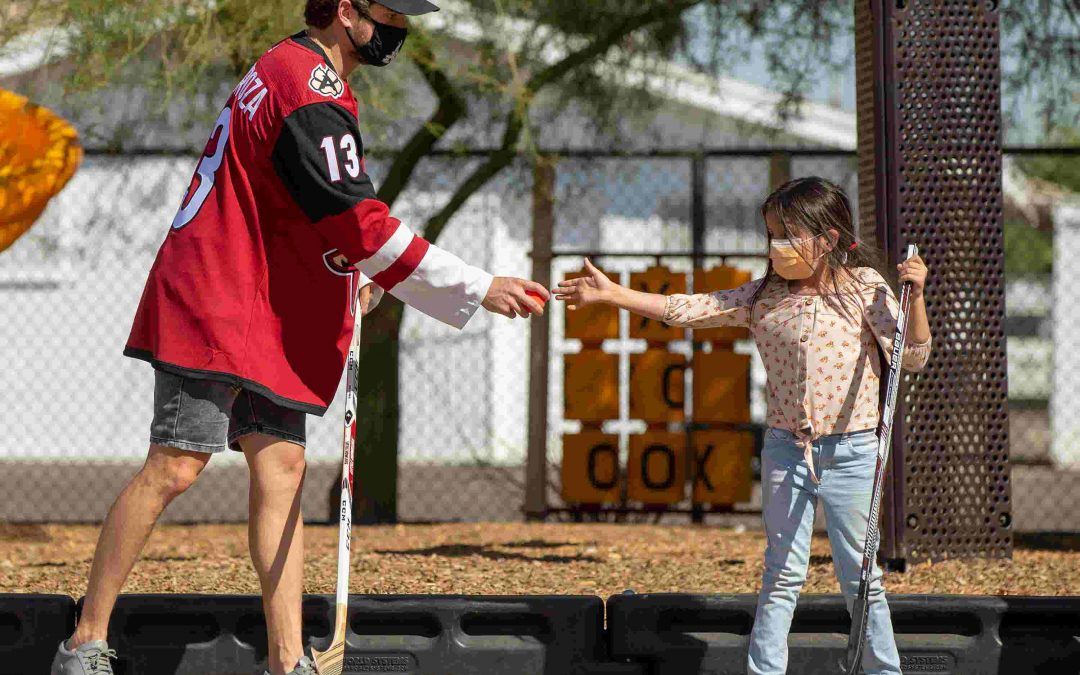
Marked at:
<point>352,158</point>
<point>203,181</point>
<point>352,161</point>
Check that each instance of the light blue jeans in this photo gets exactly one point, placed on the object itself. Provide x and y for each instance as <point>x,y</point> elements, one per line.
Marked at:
<point>845,465</point>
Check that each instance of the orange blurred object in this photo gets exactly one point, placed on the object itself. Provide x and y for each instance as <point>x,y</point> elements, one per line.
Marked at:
<point>39,152</point>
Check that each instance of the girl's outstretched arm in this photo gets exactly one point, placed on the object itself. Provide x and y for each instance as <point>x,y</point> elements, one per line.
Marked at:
<point>703,310</point>
<point>595,288</point>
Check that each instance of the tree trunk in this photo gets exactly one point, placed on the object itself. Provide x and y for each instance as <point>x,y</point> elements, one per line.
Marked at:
<point>375,471</point>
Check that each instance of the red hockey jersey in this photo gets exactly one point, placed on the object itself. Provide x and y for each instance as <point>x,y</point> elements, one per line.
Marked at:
<point>255,282</point>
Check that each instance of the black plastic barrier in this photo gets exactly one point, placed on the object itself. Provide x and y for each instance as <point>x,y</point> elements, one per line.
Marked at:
<point>31,627</point>
<point>961,635</point>
<point>439,635</point>
<point>459,635</point>
<point>187,634</point>
<point>417,635</point>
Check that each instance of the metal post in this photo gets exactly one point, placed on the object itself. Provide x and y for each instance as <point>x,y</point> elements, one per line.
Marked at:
<point>697,225</point>
<point>779,169</point>
<point>536,467</point>
<point>930,174</point>
<point>874,163</point>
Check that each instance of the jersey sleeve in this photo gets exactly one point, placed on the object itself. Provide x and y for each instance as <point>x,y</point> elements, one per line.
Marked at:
<point>318,156</point>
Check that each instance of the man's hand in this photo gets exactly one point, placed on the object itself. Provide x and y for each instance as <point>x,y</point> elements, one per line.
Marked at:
<point>507,297</point>
<point>370,295</point>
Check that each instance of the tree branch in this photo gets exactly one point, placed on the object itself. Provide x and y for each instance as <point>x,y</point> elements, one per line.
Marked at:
<point>516,118</point>
<point>671,11</point>
<point>451,109</point>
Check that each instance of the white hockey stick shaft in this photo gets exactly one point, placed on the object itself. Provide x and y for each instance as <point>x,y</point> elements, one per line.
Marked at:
<point>860,608</point>
<point>332,661</point>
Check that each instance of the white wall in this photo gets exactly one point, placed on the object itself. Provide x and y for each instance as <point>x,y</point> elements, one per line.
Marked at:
<point>1064,422</point>
<point>464,394</point>
<point>66,391</point>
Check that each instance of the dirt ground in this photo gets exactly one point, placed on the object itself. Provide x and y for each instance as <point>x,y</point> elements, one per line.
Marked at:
<point>499,559</point>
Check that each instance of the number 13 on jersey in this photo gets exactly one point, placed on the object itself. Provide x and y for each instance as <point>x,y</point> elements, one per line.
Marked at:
<point>352,158</point>
<point>203,181</point>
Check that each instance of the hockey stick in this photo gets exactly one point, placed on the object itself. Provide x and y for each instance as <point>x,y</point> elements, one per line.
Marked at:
<point>860,610</point>
<point>332,661</point>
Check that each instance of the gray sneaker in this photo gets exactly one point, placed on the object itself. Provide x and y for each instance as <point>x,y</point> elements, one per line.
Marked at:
<point>91,658</point>
<point>305,667</point>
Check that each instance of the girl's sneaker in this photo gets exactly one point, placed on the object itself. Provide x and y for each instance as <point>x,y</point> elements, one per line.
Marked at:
<point>92,658</point>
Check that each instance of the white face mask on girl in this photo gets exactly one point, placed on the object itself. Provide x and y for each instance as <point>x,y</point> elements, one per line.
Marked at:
<point>787,261</point>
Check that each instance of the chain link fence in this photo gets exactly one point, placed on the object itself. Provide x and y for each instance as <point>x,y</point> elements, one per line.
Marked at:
<point>75,413</point>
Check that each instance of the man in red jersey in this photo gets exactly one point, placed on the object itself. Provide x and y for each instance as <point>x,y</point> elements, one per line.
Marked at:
<point>246,315</point>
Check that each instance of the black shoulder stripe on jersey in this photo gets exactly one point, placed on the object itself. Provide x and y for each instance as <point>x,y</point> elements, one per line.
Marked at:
<point>319,158</point>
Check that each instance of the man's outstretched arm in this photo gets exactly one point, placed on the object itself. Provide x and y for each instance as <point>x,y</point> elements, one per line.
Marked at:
<point>319,158</point>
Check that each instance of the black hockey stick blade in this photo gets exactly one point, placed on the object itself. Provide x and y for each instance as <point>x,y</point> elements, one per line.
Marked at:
<point>860,616</point>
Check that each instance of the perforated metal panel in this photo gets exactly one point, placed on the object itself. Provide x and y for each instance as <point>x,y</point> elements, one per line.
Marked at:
<point>934,104</point>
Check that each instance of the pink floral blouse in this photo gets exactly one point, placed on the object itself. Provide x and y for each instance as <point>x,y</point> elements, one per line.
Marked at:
<point>823,369</point>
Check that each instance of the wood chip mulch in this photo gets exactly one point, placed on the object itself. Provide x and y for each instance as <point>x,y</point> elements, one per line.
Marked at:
<point>500,559</point>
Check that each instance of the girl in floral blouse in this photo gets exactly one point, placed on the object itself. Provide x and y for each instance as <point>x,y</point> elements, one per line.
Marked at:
<point>818,317</point>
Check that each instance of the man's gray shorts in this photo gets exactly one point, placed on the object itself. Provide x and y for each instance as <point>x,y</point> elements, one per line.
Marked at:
<point>207,416</point>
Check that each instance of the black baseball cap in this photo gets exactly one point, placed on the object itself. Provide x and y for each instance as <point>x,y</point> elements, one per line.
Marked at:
<point>408,7</point>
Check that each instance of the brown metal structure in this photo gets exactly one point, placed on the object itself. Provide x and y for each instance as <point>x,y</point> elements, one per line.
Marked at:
<point>536,467</point>
<point>930,174</point>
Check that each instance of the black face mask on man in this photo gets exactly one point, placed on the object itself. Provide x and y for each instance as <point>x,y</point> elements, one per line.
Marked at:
<point>384,45</point>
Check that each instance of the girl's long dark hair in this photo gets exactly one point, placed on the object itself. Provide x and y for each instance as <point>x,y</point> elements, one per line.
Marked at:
<point>810,207</point>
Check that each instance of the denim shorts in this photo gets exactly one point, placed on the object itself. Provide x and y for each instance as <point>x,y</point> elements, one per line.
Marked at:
<point>207,416</point>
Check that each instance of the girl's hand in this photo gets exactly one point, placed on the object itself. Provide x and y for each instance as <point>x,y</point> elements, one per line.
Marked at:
<point>913,270</point>
<point>591,289</point>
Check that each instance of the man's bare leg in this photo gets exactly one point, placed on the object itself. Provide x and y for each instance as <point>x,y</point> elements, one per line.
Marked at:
<point>276,539</point>
<point>167,473</point>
